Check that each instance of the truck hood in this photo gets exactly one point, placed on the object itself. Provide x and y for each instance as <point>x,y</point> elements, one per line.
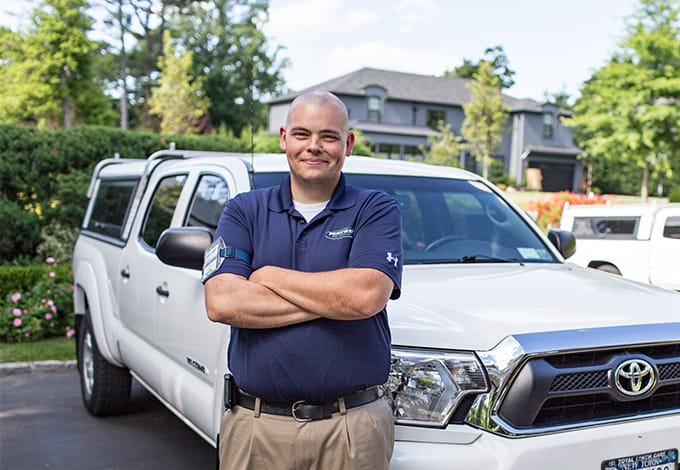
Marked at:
<point>473,307</point>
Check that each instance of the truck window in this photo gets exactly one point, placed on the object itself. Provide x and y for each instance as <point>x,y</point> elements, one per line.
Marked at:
<point>208,202</point>
<point>162,207</point>
<point>110,208</point>
<point>672,228</point>
<point>606,227</point>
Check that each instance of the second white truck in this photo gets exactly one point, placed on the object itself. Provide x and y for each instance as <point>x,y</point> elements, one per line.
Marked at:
<point>638,241</point>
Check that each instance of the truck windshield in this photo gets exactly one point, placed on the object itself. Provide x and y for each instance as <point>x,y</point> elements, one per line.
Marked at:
<point>448,220</point>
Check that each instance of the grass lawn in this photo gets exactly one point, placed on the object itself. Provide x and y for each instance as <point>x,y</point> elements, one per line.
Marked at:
<point>61,349</point>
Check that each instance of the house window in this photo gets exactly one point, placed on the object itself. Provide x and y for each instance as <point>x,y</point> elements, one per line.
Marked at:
<point>548,125</point>
<point>434,117</point>
<point>391,151</point>
<point>412,152</point>
<point>374,108</point>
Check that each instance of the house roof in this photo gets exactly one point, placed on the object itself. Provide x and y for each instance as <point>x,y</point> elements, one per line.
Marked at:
<point>386,128</point>
<point>408,87</point>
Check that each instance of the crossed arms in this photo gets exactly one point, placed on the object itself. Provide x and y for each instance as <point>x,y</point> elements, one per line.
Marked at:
<point>272,297</point>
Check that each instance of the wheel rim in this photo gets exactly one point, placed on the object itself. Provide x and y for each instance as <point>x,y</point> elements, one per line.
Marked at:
<point>88,364</point>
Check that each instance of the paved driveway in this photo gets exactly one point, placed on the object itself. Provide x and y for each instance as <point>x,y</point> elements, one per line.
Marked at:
<point>43,424</point>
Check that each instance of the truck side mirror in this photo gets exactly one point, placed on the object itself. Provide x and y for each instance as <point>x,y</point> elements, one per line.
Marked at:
<point>564,241</point>
<point>184,246</point>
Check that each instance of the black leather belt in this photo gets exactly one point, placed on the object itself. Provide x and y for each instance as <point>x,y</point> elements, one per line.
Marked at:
<point>309,411</point>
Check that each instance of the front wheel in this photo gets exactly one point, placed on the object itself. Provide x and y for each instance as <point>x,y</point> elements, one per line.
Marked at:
<point>105,388</point>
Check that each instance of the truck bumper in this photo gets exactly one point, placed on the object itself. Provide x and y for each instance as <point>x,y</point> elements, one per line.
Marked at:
<point>467,448</point>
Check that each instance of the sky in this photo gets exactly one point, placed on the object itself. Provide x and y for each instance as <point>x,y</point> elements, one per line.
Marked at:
<point>552,45</point>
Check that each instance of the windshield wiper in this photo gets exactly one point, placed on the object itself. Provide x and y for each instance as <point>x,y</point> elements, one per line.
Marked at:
<point>485,259</point>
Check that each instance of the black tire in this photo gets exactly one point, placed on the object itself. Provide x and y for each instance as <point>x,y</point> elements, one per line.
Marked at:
<point>608,268</point>
<point>105,388</point>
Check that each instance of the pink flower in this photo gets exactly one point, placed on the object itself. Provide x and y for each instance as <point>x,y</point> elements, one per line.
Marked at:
<point>50,303</point>
<point>16,312</point>
<point>48,316</point>
<point>70,332</point>
<point>16,297</point>
<point>53,308</point>
<point>27,334</point>
<point>52,274</point>
<point>25,311</point>
<point>17,322</point>
<point>50,260</point>
<point>51,324</point>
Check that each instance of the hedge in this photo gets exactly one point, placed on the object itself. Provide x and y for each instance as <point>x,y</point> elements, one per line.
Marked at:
<point>45,174</point>
<point>23,278</point>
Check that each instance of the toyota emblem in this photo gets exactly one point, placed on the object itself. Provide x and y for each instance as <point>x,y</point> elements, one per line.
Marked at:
<point>635,377</point>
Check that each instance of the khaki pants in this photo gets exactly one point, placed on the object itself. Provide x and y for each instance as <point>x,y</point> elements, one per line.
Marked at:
<point>361,439</point>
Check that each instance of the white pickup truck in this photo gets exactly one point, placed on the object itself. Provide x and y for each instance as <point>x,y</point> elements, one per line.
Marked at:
<point>503,355</point>
<point>638,241</point>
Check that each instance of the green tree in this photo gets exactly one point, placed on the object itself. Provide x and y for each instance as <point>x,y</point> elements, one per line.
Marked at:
<point>129,62</point>
<point>560,99</point>
<point>629,111</point>
<point>444,147</point>
<point>485,116</point>
<point>492,55</point>
<point>179,99</point>
<point>231,50</point>
<point>47,73</point>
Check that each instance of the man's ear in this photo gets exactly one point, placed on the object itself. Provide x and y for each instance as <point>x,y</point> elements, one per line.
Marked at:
<point>349,143</point>
<point>282,138</point>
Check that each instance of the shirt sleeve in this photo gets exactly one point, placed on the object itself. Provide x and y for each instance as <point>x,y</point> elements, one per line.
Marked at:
<point>233,229</point>
<point>377,239</point>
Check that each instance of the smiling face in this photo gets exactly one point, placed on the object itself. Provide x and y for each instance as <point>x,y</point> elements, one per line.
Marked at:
<point>316,139</point>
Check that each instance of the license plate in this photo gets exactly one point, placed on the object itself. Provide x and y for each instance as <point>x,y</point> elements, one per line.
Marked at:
<point>661,460</point>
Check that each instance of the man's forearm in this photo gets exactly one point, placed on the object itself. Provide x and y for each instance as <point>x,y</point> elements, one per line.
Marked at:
<point>233,300</point>
<point>343,294</point>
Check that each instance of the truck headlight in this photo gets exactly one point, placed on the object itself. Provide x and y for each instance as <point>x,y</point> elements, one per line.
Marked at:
<point>425,387</point>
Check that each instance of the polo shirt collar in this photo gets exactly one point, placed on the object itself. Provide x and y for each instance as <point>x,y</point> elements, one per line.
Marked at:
<point>281,199</point>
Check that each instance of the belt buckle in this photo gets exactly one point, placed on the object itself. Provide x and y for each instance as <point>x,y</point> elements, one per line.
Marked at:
<point>293,410</point>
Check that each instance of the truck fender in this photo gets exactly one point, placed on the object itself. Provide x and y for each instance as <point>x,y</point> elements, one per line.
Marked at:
<point>91,297</point>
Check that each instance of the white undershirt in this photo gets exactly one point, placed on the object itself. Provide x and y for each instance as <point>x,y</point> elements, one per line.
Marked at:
<point>309,211</point>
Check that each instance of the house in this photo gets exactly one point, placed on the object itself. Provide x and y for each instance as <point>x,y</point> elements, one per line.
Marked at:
<point>396,112</point>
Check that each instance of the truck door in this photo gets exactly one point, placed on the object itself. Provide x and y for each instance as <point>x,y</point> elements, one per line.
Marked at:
<point>194,346</point>
<point>664,256</point>
<point>140,283</point>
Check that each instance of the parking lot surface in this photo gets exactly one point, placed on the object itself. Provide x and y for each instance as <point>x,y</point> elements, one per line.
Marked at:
<point>43,425</point>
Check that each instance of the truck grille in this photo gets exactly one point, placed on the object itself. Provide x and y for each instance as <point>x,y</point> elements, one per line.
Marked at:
<point>580,388</point>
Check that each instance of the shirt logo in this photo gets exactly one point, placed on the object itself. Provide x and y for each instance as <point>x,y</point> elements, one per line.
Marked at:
<point>392,259</point>
<point>339,233</point>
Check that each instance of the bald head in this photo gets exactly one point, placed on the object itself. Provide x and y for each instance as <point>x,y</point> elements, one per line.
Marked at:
<point>320,99</point>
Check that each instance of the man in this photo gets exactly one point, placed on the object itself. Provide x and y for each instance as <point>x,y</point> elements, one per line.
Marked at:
<point>313,263</point>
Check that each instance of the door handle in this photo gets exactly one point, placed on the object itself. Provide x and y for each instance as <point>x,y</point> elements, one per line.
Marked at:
<point>162,292</point>
<point>125,273</point>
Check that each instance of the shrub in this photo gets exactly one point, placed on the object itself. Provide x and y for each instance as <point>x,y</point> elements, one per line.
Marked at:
<point>58,241</point>
<point>19,230</point>
<point>43,311</point>
<point>674,195</point>
<point>547,211</point>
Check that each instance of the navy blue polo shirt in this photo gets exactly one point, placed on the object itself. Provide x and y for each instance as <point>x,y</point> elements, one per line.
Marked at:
<point>321,359</point>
